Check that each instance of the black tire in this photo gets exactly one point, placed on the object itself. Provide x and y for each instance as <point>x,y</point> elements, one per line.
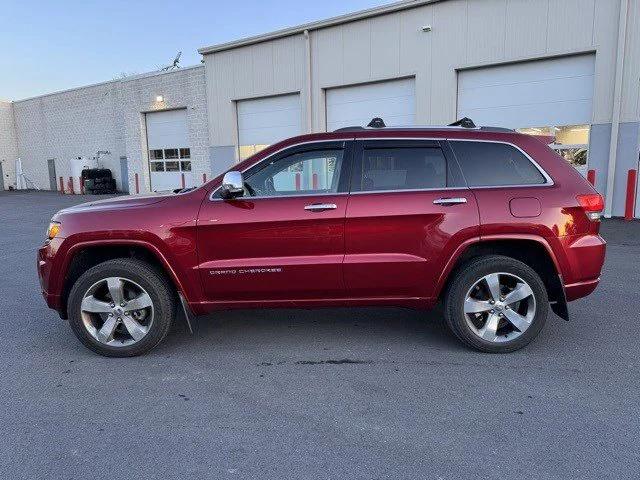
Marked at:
<point>464,280</point>
<point>156,285</point>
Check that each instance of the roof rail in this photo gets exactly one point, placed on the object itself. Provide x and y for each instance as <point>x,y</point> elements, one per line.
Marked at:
<point>465,122</point>
<point>497,129</point>
<point>378,123</point>
<point>349,129</point>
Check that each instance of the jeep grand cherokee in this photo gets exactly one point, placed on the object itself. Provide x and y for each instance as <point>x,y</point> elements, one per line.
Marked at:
<point>489,222</point>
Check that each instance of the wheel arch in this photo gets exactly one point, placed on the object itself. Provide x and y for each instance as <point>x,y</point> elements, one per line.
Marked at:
<point>85,255</point>
<point>531,250</point>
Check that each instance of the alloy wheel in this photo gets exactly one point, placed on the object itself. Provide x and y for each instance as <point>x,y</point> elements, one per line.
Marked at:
<point>117,311</point>
<point>499,307</point>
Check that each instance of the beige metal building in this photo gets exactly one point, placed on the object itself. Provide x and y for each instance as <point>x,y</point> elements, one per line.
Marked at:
<point>565,68</point>
<point>569,68</point>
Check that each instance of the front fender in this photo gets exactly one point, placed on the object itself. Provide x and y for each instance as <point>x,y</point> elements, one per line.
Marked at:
<point>177,266</point>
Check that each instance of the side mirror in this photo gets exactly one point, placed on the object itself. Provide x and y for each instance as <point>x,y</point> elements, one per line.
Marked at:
<point>232,185</point>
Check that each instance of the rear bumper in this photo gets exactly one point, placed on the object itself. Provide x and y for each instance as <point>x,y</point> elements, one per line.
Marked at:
<point>585,255</point>
<point>578,290</point>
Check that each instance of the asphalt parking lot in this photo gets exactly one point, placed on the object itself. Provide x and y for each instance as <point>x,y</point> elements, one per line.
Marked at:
<point>340,393</point>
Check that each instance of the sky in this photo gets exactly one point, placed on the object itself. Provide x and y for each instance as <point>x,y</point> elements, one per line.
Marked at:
<point>54,45</point>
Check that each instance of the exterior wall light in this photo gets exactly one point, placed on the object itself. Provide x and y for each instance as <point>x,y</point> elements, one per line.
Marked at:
<point>159,98</point>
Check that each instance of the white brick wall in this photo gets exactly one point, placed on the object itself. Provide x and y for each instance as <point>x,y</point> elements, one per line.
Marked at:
<point>8,146</point>
<point>66,125</point>
<point>109,116</point>
<point>184,88</point>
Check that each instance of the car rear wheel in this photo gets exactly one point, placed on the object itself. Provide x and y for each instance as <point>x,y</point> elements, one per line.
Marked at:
<point>496,304</point>
<point>121,308</point>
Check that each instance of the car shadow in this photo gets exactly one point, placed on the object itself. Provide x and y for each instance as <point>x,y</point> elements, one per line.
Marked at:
<point>302,328</point>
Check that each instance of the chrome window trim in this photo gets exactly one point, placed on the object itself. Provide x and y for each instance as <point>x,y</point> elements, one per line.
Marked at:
<point>412,190</point>
<point>302,195</point>
<point>548,180</point>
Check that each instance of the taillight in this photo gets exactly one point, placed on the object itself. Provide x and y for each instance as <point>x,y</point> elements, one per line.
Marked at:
<point>592,204</point>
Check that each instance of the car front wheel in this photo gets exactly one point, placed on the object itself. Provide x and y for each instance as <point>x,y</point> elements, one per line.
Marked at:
<point>121,308</point>
<point>496,304</point>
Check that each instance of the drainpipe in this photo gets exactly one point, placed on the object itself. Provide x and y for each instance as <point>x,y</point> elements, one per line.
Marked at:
<point>617,106</point>
<point>16,144</point>
<point>307,42</point>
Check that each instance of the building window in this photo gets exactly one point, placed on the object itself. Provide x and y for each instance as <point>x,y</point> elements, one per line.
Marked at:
<point>175,157</point>
<point>170,153</point>
<point>172,166</point>
<point>571,142</point>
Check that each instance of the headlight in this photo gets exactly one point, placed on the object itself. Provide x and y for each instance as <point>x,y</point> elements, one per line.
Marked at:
<point>53,230</point>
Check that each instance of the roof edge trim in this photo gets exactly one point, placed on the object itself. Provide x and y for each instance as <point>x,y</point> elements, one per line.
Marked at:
<point>317,25</point>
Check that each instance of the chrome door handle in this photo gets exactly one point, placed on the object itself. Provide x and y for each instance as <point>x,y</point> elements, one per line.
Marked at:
<point>321,206</point>
<point>450,201</point>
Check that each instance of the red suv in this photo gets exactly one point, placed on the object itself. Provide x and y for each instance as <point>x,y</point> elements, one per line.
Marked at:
<point>490,222</point>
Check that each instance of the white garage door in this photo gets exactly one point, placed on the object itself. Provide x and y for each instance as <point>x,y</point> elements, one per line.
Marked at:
<point>169,151</point>
<point>393,101</point>
<point>264,121</point>
<point>533,94</point>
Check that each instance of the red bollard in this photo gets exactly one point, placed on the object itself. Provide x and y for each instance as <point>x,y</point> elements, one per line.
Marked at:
<point>137,184</point>
<point>61,185</point>
<point>314,179</point>
<point>81,185</point>
<point>591,177</point>
<point>71,186</point>
<point>630,204</point>
<point>297,181</point>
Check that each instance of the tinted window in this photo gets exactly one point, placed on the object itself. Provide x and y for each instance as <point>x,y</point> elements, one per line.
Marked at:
<point>402,169</point>
<point>495,164</point>
<point>311,172</point>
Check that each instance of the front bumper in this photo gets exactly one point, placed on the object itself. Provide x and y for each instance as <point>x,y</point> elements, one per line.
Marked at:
<point>47,268</point>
